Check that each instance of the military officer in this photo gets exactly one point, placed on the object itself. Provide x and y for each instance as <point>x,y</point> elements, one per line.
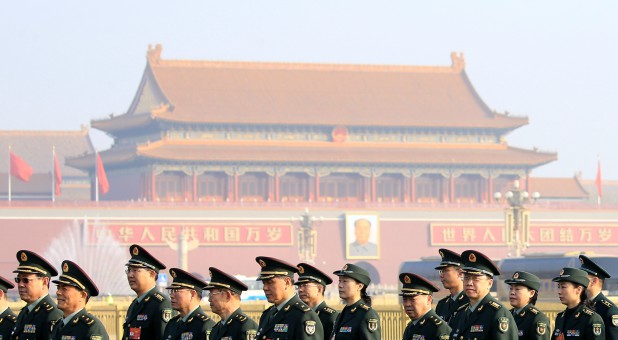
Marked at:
<point>289,317</point>
<point>416,297</point>
<point>523,293</point>
<point>311,285</point>
<point>37,317</point>
<point>451,277</point>
<point>224,299</point>
<point>577,321</point>
<point>595,298</point>
<point>483,317</point>
<point>74,290</point>
<point>357,320</point>
<point>186,295</point>
<point>150,311</point>
<point>7,317</point>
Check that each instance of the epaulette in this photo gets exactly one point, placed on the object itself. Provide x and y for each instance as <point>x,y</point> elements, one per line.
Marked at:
<point>87,319</point>
<point>560,314</point>
<point>240,317</point>
<point>437,321</point>
<point>48,307</point>
<point>464,306</point>
<point>588,311</point>
<point>495,305</point>
<point>301,306</point>
<point>158,296</point>
<point>444,298</point>
<point>533,310</point>
<point>202,317</point>
<point>607,303</point>
<point>364,306</point>
<point>9,317</point>
<point>175,317</point>
<point>329,310</point>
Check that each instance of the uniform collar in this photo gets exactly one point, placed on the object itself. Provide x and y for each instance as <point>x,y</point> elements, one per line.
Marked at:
<point>35,303</point>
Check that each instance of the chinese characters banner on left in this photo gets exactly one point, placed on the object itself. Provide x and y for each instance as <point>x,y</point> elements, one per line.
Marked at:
<point>161,234</point>
<point>574,234</point>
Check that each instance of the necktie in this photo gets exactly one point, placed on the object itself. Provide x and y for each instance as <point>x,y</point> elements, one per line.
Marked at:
<point>468,313</point>
<point>60,326</point>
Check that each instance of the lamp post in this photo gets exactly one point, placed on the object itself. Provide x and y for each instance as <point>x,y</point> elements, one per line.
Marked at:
<point>307,237</point>
<point>517,217</point>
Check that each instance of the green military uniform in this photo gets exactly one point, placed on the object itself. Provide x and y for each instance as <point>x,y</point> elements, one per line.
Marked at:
<point>292,319</point>
<point>196,325</point>
<point>579,322</point>
<point>81,325</point>
<point>488,319</point>
<point>429,325</point>
<point>327,315</point>
<point>238,325</point>
<point>531,322</point>
<point>35,322</point>
<point>447,306</point>
<point>600,304</point>
<point>148,315</point>
<point>7,317</point>
<point>359,320</point>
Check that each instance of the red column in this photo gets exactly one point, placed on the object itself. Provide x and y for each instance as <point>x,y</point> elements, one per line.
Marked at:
<point>277,192</point>
<point>194,187</point>
<point>235,198</point>
<point>317,187</point>
<point>451,188</point>
<point>153,186</point>
<point>412,189</point>
<point>373,188</point>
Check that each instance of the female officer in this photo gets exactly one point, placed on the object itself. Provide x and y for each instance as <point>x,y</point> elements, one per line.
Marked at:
<point>531,322</point>
<point>576,321</point>
<point>357,319</point>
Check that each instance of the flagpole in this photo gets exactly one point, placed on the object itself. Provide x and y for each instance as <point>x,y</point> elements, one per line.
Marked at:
<point>96,176</point>
<point>53,173</point>
<point>9,172</point>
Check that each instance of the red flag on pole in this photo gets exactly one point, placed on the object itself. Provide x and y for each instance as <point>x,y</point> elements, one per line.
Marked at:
<point>19,168</point>
<point>101,176</point>
<point>598,181</point>
<point>57,175</point>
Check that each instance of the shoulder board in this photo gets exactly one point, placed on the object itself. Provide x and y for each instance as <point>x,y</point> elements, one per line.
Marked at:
<point>364,306</point>
<point>494,304</point>
<point>302,306</point>
<point>445,298</point>
<point>464,306</point>
<point>533,310</point>
<point>177,316</point>
<point>202,317</point>
<point>87,319</point>
<point>9,317</point>
<point>158,296</point>
<point>241,318</point>
<point>588,311</point>
<point>561,314</point>
<point>329,310</point>
<point>607,303</point>
<point>437,321</point>
<point>48,307</point>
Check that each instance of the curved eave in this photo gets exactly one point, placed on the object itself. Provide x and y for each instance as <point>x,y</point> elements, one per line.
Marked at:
<point>345,153</point>
<point>119,124</point>
<point>111,158</point>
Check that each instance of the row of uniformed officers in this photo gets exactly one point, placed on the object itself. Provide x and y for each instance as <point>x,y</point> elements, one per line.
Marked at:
<point>467,312</point>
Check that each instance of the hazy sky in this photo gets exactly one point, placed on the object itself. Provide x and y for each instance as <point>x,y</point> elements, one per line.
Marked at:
<point>63,63</point>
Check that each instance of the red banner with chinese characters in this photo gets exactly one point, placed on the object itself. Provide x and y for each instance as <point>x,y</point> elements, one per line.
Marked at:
<point>541,234</point>
<point>162,234</point>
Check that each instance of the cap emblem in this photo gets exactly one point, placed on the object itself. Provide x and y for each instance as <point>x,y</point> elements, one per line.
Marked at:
<point>65,267</point>
<point>210,273</point>
<point>472,257</point>
<point>516,276</point>
<point>262,263</point>
<point>561,272</point>
<point>407,280</point>
<point>301,270</point>
<point>581,260</point>
<point>135,251</point>
<point>441,254</point>
<point>24,257</point>
<point>173,273</point>
<point>345,267</point>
